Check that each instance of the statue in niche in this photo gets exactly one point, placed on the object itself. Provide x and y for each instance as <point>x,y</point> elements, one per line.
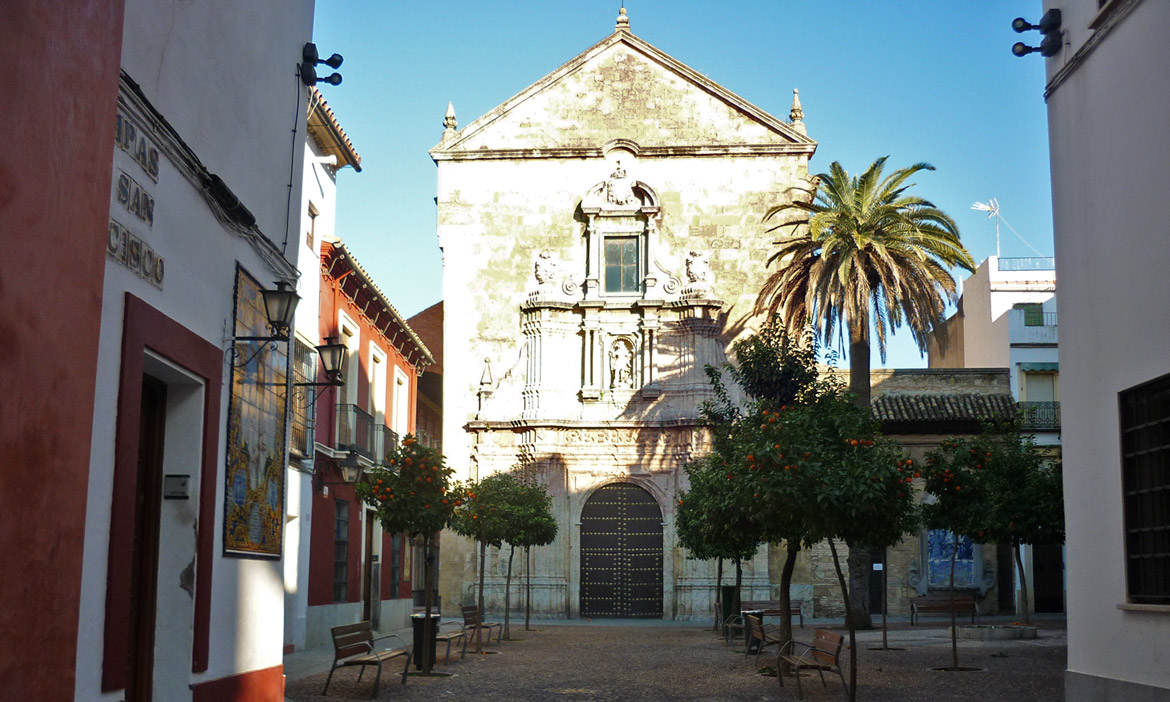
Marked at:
<point>699,270</point>
<point>546,270</point>
<point>619,189</point>
<point>621,364</point>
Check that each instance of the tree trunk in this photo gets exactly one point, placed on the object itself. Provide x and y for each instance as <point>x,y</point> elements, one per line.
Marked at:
<point>954,630</point>
<point>528,593</point>
<point>482,562</point>
<point>849,623</point>
<point>508,595</point>
<point>429,603</point>
<point>792,549</point>
<point>860,559</point>
<point>885,600</point>
<point>718,594</point>
<point>860,562</point>
<point>859,362</point>
<point>735,601</point>
<point>1024,604</point>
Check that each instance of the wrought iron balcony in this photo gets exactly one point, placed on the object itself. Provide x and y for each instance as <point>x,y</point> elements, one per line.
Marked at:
<point>355,430</point>
<point>1040,416</point>
<point>385,439</point>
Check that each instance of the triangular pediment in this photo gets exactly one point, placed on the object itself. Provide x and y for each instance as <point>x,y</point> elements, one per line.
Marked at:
<point>622,88</point>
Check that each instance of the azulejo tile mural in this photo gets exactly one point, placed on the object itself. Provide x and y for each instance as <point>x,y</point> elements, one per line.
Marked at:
<point>253,519</point>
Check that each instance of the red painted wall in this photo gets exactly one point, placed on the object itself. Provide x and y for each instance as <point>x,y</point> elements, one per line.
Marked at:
<point>265,685</point>
<point>333,299</point>
<point>60,64</point>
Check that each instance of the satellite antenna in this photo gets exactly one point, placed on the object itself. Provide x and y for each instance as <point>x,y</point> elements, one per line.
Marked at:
<point>991,207</point>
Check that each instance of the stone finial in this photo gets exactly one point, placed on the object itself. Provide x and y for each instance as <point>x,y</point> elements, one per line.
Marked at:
<point>623,22</point>
<point>449,121</point>
<point>797,113</point>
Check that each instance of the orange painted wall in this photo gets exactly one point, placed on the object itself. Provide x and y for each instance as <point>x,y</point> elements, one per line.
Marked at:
<point>61,63</point>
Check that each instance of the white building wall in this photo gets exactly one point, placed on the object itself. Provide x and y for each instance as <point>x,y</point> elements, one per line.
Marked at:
<point>224,87</point>
<point>1110,155</point>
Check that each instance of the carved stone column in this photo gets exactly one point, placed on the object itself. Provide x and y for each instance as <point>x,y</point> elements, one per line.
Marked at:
<point>592,350</point>
<point>649,361</point>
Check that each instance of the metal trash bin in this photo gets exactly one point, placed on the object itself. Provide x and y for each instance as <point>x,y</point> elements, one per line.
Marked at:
<point>418,621</point>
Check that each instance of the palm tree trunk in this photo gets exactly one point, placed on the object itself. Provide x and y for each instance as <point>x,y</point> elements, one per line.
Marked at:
<point>860,560</point>
<point>859,362</point>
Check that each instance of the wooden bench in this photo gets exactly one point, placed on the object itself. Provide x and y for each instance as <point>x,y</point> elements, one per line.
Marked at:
<point>824,654</point>
<point>764,635</point>
<point>451,636</point>
<point>353,644</point>
<point>941,604</point>
<point>472,621</point>
<point>762,608</point>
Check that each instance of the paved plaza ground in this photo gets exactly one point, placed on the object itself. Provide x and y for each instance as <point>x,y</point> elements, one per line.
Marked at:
<point>582,661</point>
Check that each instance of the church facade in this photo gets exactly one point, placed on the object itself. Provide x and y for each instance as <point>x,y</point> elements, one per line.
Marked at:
<point>603,241</point>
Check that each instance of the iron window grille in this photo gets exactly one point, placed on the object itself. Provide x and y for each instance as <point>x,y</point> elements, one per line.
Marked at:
<point>1145,467</point>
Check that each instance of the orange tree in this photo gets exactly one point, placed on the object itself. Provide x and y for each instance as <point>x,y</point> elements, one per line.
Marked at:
<point>1026,494</point>
<point>772,369</point>
<point>995,487</point>
<point>958,491</point>
<point>483,516</point>
<point>412,494</point>
<point>821,469</point>
<point>713,518</point>
<point>530,522</point>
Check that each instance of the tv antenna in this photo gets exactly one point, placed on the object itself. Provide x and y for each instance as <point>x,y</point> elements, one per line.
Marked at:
<point>991,207</point>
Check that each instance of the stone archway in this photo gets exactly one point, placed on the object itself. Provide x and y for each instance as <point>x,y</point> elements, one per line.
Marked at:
<point>621,554</point>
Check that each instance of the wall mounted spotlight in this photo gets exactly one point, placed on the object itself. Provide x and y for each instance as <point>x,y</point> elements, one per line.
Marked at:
<point>310,59</point>
<point>1049,27</point>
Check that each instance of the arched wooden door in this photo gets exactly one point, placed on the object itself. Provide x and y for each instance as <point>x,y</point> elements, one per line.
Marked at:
<point>621,554</point>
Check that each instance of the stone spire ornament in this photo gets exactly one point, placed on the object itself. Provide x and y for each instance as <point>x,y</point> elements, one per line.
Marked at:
<point>449,121</point>
<point>449,125</point>
<point>623,22</point>
<point>797,113</point>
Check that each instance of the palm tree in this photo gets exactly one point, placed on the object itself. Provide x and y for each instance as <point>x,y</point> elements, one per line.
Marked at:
<point>860,252</point>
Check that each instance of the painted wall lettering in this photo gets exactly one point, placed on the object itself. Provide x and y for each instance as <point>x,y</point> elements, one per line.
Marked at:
<point>134,198</point>
<point>135,143</point>
<point>134,253</point>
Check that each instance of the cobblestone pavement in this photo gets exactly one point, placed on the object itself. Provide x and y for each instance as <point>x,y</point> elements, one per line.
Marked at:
<point>584,662</point>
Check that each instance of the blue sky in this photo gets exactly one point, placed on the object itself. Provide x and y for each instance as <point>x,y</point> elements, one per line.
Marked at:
<point>930,81</point>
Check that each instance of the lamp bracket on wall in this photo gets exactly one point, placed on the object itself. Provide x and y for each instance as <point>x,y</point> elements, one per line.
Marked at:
<point>280,304</point>
<point>349,467</point>
<point>310,59</point>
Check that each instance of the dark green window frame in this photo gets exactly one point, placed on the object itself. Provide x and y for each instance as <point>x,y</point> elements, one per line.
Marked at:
<point>622,261</point>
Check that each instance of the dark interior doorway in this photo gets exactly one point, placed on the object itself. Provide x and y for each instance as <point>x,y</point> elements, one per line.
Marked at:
<point>144,573</point>
<point>1048,574</point>
<point>621,554</point>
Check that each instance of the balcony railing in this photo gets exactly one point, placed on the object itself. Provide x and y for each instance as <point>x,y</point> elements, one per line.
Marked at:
<point>1040,416</point>
<point>355,430</point>
<point>1032,263</point>
<point>385,439</point>
<point>1030,327</point>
